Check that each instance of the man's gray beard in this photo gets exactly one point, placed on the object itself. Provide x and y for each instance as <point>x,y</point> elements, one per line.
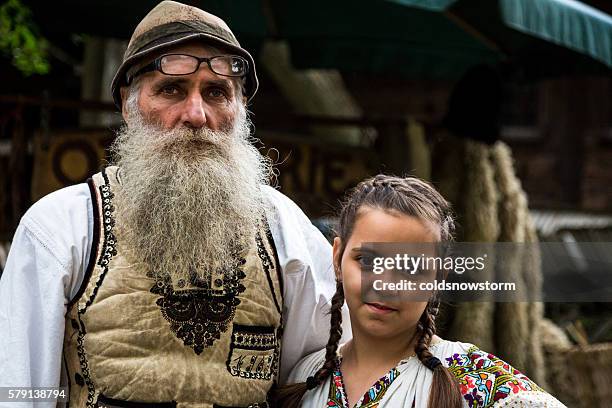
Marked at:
<point>189,197</point>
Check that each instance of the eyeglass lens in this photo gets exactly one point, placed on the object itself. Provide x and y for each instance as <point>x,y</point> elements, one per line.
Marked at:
<point>227,65</point>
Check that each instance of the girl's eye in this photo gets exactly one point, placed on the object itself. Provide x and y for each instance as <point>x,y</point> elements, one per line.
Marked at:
<point>365,260</point>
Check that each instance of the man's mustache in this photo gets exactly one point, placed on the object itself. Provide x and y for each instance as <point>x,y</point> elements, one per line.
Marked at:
<point>195,142</point>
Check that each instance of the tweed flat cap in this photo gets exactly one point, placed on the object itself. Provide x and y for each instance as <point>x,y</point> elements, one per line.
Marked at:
<point>171,23</point>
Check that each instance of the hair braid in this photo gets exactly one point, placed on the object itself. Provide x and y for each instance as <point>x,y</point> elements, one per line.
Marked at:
<point>335,333</point>
<point>444,392</point>
<point>427,328</point>
<point>291,395</point>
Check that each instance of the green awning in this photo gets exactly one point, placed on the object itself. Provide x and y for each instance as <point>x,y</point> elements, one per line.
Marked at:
<point>433,5</point>
<point>565,22</point>
<point>568,23</point>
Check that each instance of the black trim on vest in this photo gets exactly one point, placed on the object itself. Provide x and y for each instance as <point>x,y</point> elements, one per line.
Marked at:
<point>109,247</point>
<point>93,253</point>
<point>91,389</point>
<point>105,402</point>
<point>103,221</point>
<point>281,328</point>
<point>278,265</point>
<point>68,377</point>
<point>266,262</point>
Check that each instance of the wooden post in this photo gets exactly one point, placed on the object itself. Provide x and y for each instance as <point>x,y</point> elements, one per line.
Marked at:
<point>563,114</point>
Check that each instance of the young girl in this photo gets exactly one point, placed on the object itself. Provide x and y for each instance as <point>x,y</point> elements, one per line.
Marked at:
<point>395,359</point>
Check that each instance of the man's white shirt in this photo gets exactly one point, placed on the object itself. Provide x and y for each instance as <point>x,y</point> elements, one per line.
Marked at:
<point>47,262</point>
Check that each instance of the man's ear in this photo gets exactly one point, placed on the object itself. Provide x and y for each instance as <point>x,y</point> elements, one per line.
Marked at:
<point>124,94</point>
<point>337,258</point>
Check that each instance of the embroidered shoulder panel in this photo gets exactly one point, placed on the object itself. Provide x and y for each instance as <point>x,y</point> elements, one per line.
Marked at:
<point>485,379</point>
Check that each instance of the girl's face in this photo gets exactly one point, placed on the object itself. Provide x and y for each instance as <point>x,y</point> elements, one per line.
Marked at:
<point>380,319</point>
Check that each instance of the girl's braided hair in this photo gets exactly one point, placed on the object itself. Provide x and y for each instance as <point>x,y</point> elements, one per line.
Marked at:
<point>408,196</point>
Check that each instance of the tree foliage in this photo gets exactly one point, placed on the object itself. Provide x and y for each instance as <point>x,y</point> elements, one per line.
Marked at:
<point>19,38</point>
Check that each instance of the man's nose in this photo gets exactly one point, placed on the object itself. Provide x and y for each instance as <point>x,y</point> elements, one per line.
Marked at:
<point>194,112</point>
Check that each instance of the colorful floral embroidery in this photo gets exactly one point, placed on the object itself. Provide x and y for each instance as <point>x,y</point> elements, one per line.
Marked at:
<point>371,399</point>
<point>485,379</point>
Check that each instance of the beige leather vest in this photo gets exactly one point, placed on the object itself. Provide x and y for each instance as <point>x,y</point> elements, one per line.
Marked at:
<point>136,341</point>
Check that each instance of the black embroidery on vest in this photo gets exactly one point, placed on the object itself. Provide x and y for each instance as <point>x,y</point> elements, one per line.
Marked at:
<point>267,264</point>
<point>254,352</point>
<point>279,276</point>
<point>199,316</point>
<point>109,247</point>
<point>91,390</point>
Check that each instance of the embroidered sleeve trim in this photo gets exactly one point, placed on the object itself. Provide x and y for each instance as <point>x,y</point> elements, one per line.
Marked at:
<point>485,379</point>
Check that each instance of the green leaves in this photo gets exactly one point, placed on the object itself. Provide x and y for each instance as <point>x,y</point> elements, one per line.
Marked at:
<point>19,38</point>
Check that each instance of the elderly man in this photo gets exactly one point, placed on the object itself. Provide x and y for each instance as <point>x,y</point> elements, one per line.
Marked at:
<point>171,278</point>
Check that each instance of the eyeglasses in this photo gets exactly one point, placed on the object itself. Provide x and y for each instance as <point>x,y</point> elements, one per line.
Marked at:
<point>183,64</point>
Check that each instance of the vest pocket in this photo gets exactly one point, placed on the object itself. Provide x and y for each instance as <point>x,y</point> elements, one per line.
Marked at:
<point>105,402</point>
<point>254,352</point>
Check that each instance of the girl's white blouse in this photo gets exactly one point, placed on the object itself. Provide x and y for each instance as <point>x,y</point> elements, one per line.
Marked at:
<point>414,381</point>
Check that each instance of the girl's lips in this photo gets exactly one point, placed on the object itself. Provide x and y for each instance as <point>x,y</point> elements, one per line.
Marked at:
<point>378,308</point>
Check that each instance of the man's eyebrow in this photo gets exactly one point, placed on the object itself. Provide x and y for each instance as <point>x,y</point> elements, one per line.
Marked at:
<point>170,81</point>
<point>224,83</point>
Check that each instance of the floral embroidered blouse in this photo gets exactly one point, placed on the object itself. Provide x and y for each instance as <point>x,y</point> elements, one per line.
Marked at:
<point>484,381</point>
<point>337,393</point>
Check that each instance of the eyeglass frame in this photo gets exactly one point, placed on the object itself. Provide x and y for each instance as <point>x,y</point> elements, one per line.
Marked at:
<point>155,65</point>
